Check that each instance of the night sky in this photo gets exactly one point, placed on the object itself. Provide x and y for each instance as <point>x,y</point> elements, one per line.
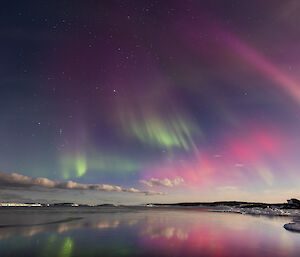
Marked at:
<point>161,101</point>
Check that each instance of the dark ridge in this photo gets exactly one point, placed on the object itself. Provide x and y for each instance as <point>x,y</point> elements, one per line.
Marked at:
<point>292,204</point>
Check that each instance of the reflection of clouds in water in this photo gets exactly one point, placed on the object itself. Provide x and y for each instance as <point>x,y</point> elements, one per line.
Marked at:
<point>64,227</point>
<point>167,232</point>
<point>106,224</point>
<point>214,234</point>
<point>163,230</point>
<point>24,231</point>
<point>156,225</point>
<point>160,226</point>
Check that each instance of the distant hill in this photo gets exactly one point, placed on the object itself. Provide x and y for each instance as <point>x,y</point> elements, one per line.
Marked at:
<point>291,204</point>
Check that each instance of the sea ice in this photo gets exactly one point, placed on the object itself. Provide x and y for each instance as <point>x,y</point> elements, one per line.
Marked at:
<point>292,227</point>
<point>265,211</point>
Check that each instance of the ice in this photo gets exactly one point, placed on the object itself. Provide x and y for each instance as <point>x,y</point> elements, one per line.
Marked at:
<point>265,211</point>
<point>293,226</point>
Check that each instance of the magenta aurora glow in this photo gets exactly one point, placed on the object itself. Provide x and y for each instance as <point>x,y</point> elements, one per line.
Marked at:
<point>187,100</point>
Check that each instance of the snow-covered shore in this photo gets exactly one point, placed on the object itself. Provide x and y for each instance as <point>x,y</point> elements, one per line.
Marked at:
<point>265,211</point>
<point>294,226</point>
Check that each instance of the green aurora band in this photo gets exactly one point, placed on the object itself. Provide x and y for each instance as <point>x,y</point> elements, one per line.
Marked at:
<point>77,165</point>
<point>174,133</point>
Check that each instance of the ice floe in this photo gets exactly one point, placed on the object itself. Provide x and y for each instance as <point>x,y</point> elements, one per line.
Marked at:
<point>293,226</point>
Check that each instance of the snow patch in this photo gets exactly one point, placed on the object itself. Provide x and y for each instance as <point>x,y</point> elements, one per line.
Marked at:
<point>265,211</point>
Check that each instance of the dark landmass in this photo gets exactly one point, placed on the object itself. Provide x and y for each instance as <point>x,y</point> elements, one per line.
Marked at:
<point>106,205</point>
<point>291,204</point>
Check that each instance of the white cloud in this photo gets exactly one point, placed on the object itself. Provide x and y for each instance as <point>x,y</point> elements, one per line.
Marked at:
<point>163,182</point>
<point>13,180</point>
<point>227,188</point>
<point>239,165</point>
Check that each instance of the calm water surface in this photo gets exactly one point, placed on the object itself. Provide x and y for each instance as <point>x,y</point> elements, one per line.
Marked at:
<point>66,232</point>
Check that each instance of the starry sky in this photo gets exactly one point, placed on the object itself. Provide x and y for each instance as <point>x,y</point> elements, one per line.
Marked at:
<point>193,100</point>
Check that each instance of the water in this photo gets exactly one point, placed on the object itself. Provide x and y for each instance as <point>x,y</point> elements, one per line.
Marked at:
<point>66,232</point>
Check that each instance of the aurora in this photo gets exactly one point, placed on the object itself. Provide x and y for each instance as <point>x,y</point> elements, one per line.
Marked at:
<point>160,101</point>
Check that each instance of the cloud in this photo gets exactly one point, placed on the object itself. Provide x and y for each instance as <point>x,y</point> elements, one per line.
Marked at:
<point>239,165</point>
<point>227,188</point>
<point>163,182</point>
<point>15,180</point>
